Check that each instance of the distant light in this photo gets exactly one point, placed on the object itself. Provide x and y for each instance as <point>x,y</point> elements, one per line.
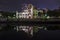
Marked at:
<point>45,14</point>
<point>48,17</point>
<point>14,15</point>
<point>23,29</point>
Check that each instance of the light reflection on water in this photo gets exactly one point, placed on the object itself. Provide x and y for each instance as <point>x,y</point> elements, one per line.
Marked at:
<point>28,29</point>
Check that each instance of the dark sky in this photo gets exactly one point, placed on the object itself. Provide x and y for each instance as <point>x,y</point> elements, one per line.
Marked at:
<point>13,5</point>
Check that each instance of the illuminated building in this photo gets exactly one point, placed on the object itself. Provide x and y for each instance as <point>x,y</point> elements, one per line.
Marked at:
<point>40,13</point>
<point>27,13</point>
<point>35,12</point>
<point>22,14</point>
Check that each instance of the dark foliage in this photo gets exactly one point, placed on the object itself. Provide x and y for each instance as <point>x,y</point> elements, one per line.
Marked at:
<point>54,13</point>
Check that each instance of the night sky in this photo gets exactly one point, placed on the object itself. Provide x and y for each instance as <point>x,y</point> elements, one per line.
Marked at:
<point>13,5</point>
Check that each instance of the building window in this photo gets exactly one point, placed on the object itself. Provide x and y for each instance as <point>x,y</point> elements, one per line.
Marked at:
<point>29,10</point>
<point>25,14</point>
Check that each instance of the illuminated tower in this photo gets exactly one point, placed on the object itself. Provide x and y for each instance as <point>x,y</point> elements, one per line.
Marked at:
<point>30,10</point>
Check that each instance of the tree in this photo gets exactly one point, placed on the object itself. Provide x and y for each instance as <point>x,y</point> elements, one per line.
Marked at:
<point>54,13</point>
<point>6,14</point>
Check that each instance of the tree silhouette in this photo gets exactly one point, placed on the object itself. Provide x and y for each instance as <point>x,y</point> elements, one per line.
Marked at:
<point>54,13</point>
<point>6,14</point>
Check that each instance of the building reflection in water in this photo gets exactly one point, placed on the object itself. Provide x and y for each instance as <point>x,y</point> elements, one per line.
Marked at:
<point>30,29</point>
<point>27,29</point>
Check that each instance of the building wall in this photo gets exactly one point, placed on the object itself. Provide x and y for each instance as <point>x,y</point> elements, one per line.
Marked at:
<point>35,12</point>
<point>22,14</point>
